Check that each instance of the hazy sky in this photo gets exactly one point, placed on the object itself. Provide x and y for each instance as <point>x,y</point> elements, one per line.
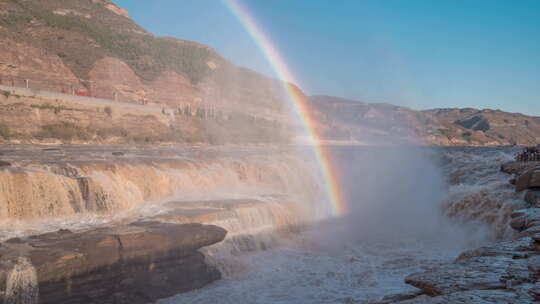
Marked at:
<point>417,53</point>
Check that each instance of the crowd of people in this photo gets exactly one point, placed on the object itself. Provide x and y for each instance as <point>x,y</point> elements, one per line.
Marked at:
<point>529,154</point>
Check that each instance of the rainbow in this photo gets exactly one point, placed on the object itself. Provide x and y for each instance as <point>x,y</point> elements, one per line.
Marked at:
<point>298,99</point>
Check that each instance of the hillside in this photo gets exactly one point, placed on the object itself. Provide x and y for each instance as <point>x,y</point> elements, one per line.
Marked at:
<point>348,119</point>
<point>93,48</point>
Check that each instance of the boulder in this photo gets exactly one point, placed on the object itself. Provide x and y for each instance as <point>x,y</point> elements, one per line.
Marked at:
<point>535,292</point>
<point>516,167</point>
<point>136,263</point>
<point>398,297</point>
<point>473,296</point>
<point>533,197</point>
<point>529,179</point>
<point>525,218</point>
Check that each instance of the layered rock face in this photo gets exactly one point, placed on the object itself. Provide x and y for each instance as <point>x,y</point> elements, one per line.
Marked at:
<point>136,263</point>
<point>27,116</point>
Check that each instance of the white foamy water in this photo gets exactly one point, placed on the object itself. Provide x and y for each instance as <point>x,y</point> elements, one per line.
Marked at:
<point>479,192</point>
<point>306,270</point>
<point>355,263</point>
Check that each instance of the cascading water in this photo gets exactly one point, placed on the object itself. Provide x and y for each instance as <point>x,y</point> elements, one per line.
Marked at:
<point>398,225</point>
<point>22,284</point>
<point>80,195</point>
<point>478,191</point>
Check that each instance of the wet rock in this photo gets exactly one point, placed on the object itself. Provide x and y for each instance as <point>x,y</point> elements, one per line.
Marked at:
<point>398,297</point>
<point>511,249</point>
<point>516,167</point>
<point>535,292</point>
<point>479,273</point>
<point>14,241</point>
<point>529,232</point>
<point>4,163</point>
<point>533,197</point>
<point>534,267</point>
<point>127,264</point>
<point>529,179</point>
<point>499,273</point>
<point>473,297</point>
<point>525,218</point>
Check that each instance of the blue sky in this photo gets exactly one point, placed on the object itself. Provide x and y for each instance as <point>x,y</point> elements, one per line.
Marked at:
<point>417,53</point>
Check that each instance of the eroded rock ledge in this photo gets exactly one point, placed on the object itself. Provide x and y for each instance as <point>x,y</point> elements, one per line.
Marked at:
<point>136,263</point>
<point>504,272</point>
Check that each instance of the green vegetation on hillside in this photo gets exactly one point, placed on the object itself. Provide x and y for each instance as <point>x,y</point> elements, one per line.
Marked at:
<point>146,54</point>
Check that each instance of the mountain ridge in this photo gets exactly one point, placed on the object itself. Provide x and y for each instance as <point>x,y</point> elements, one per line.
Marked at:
<point>440,126</point>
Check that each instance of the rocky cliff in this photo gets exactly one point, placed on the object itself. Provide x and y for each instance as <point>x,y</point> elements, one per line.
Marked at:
<point>372,122</point>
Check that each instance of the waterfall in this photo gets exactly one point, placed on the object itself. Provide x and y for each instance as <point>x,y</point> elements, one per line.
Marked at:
<point>46,194</point>
<point>22,284</point>
<point>479,194</point>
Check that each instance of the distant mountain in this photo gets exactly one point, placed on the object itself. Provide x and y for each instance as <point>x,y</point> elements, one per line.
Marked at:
<point>349,119</point>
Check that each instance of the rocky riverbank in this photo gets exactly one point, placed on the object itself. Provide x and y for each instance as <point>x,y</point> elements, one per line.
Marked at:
<point>136,263</point>
<point>503,272</point>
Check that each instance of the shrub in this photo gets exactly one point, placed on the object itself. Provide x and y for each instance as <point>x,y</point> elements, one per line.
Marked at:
<point>63,131</point>
<point>108,110</point>
<point>5,131</point>
<point>112,132</point>
<point>186,59</point>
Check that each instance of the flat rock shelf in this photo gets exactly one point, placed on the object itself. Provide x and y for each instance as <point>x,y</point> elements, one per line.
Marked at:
<point>135,263</point>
